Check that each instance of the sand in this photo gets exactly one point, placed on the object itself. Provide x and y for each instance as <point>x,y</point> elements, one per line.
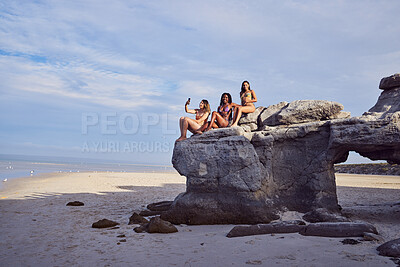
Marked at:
<point>38,229</point>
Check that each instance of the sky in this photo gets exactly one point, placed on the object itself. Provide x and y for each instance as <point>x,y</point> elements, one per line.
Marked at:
<point>108,80</point>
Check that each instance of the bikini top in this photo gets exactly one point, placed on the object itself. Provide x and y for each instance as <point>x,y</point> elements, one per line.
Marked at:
<point>198,116</point>
<point>246,95</point>
<point>223,110</point>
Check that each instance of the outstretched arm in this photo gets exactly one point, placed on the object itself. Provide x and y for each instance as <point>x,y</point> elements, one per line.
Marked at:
<point>191,111</point>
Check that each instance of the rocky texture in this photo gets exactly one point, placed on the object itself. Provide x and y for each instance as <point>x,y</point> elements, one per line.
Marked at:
<point>104,223</point>
<point>140,229</point>
<point>323,215</point>
<point>301,111</point>
<point>375,136</point>
<point>373,237</point>
<point>262,229</point>
<point>390,82</point>
<point>341,229</point>
<point>137,219</point>
<point>156,225</point>
<point>249,121</point>
<point>160,206</point>
<point>268,117</point>
<point>75,203</point>
<point>239,175</point>
<point>390,249</point>
<point>388,101</point>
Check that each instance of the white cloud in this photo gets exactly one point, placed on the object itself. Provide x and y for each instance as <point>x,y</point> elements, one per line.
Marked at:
<point>133,55</point>
<point>78,81</point>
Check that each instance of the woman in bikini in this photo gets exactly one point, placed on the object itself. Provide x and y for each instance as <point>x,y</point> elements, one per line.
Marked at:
<point>248,97</point>
<point>186,123</point>
<point>220,118</point>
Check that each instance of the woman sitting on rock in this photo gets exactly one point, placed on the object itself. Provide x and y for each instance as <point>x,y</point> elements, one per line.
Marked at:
<point>186,123</point>
<point>221,117</point>
<point>248,97</point>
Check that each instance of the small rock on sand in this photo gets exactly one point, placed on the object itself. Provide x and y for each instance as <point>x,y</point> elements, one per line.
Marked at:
<point>137,219</point>
<point>160,206</point>
<point>104,223</point>
<point>323,215</point>
<point>156,225</point>
<point>338,229</point>
<point>75,203</point>
<point>390,249</point>
<point>373,237</point>
<point>349,241</point>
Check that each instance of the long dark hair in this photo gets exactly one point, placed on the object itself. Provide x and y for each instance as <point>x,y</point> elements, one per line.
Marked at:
<point>221,103</point>
<point>242,90</point>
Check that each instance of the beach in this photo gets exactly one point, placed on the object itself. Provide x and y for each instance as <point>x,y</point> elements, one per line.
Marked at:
<point>38,229</point>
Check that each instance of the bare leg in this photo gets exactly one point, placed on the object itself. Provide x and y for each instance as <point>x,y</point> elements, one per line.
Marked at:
<point>202,128</point>
<point>181,124</point>
<point>193,126</point>
<point>238,113</point>
<point>183,127</point>
<point>217,121</point>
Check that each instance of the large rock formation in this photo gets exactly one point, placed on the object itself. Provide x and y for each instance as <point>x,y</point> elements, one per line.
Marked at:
<point>280,157</point>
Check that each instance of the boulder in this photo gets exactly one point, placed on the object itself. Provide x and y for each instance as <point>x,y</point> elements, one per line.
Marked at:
<point>244,175</point>
<point>340,229</point>
<point>262,229</point>
<point>251,117</point>
<point>104,223</point>
<point>137,219</point>
<point>141,228</point>
<point>340,115</point>
<point>390,249</point>
<point>249,127</point>
<point>157,225</point>
<point>301,111</point>
<point>268,117</point>
<point>390,82</point>
<point>324,215</point>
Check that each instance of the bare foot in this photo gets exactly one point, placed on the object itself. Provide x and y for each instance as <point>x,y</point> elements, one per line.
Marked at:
<point>180,139</point>
<point>206,130</point>
<point>198,132</point>
<point>233,125</point>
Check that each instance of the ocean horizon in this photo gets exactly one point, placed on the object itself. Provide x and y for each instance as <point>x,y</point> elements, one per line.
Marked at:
<point>18,166</point>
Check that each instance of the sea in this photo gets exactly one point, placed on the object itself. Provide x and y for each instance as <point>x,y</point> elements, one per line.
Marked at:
<point>16,166</point>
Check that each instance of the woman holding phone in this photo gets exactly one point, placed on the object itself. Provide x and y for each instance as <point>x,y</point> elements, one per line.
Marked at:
<point>192,125</point>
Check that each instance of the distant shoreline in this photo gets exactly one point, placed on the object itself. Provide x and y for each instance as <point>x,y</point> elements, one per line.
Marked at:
<point>369,168</point>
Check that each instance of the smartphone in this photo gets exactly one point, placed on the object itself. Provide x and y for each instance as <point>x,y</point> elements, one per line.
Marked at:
<point>189,99</point>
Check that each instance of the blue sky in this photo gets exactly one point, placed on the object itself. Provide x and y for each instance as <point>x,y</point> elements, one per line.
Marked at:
<point>65,62</point>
